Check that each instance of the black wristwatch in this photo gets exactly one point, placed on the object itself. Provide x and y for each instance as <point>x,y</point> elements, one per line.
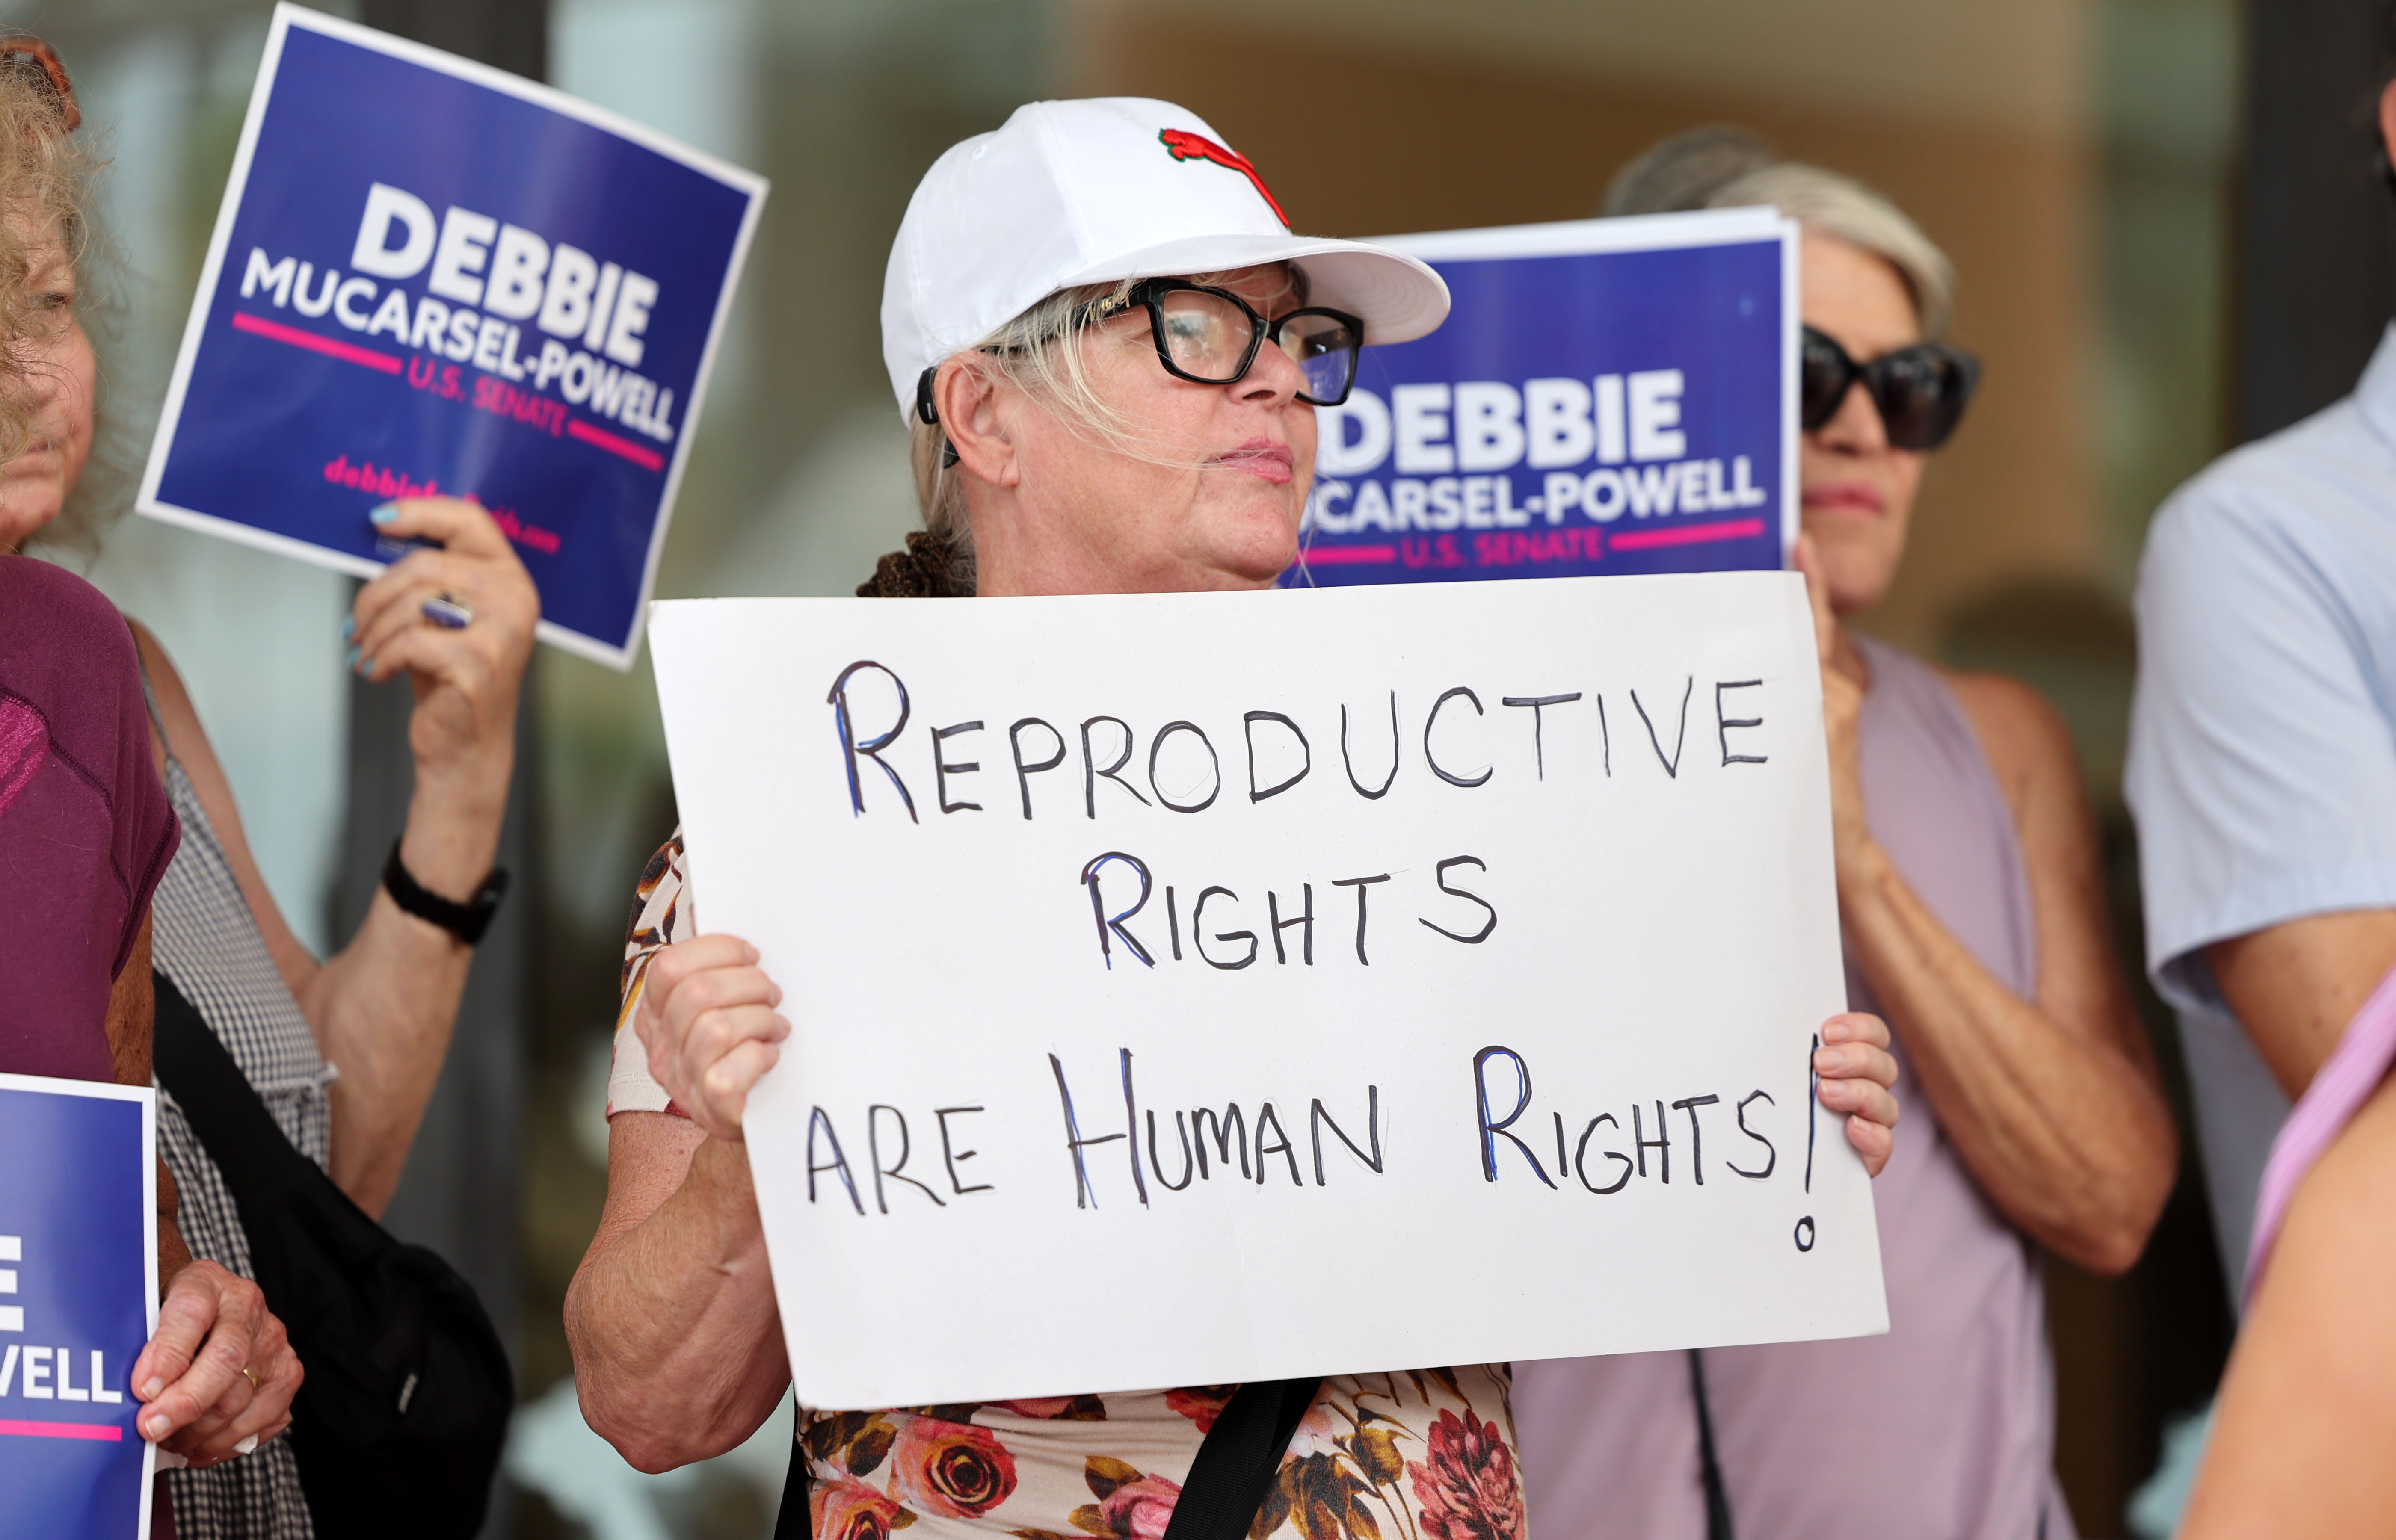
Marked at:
<point>467,922</point>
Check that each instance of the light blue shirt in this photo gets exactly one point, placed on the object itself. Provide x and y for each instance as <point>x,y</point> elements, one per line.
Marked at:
<point>2262,766</point>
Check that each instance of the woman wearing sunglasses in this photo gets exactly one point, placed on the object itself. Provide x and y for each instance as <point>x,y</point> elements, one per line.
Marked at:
<point>1972,907</point>
<point>1110,347</point>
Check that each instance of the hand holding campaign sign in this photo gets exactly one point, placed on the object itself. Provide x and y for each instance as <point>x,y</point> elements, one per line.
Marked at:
<point>1160,964</point>
<point>430,277</point>
<point>78,1300</point>
<point>1606,396</point>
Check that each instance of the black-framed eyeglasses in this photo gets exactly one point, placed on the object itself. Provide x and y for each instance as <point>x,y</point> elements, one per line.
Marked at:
<point>1921,391</point>
<point>1212,336</point>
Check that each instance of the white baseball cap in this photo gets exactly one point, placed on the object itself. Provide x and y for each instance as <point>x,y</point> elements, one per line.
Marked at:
<point>1096,191</point>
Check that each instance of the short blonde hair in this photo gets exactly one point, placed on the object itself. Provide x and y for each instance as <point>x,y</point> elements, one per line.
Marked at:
<point>1720,166</point>
<point>1840,206</point>
<point>1043,354</point>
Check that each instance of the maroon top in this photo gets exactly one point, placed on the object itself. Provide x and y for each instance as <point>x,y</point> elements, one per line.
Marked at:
<point>85,831</point>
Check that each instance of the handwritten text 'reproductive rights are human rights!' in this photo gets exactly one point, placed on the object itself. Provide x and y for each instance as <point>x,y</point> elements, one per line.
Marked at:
<point>1188,920</point>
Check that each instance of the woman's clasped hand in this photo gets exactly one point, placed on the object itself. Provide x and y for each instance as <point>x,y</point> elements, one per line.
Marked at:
<point>218,1376</point>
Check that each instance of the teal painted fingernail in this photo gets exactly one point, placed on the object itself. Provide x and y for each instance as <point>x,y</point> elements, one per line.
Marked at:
<point>367,667</point>
<point>349,627</point>
<point>385,513</point>
<point>350,659</point>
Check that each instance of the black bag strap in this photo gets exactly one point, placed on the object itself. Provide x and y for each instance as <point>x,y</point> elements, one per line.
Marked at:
<point>1236,1464</point>
<point>216,1099</point>
<point>401,1422</point>
<point>1718,1525</point>
<point>797,1518</point>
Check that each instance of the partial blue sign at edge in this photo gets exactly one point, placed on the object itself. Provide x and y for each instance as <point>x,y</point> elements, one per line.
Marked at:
<point>1607,397</point>
<point>428,275</point>
<point>78,1300</point>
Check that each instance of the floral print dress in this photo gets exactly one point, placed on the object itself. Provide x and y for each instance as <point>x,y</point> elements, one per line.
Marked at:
<point>1411,1454</point>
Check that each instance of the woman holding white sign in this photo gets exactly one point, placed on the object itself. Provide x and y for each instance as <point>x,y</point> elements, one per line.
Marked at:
<point>1122,404</point>
<point>1972,906</point>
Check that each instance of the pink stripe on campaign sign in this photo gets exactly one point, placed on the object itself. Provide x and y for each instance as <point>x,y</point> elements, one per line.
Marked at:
<point>648,460</point>
<point>330,347</point>
<point>1347,555</point>
<point>97,1432</point>
<point>1648,539</point>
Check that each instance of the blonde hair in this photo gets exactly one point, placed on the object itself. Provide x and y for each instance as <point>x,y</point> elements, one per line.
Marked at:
<point>1042,354</point>
<point>1840,206</point>
<point>47,175</point>
<point>1720,166</point>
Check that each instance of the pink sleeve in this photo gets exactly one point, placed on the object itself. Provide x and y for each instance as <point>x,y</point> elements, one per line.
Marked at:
<point>2337,1093</point>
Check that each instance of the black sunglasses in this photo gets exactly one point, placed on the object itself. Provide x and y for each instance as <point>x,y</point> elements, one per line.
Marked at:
<point>1212,336</point>
<point>1921,391</point>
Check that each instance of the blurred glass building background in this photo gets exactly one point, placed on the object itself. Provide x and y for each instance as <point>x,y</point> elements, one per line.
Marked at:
<point>2078,158</point>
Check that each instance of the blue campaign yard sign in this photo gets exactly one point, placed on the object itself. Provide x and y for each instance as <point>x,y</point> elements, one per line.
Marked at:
<point>429,276</point>
<point>78,1299</point>
<point>1606,396</point>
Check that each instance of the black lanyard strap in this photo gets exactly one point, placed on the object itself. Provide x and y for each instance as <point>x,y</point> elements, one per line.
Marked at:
<point>1242,1454</point>
<point>1718,1525</point>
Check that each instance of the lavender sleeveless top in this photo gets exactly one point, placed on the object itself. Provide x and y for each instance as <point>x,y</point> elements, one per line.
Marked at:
<point>1943,1429</point>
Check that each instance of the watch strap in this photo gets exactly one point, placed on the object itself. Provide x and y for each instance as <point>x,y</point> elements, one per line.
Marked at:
<point>467,922</point>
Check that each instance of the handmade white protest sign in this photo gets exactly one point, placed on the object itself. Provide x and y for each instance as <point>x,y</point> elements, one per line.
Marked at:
<point>1191,989</point>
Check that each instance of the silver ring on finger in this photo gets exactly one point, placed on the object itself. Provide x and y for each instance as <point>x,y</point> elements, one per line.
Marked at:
<point>448,611</point>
